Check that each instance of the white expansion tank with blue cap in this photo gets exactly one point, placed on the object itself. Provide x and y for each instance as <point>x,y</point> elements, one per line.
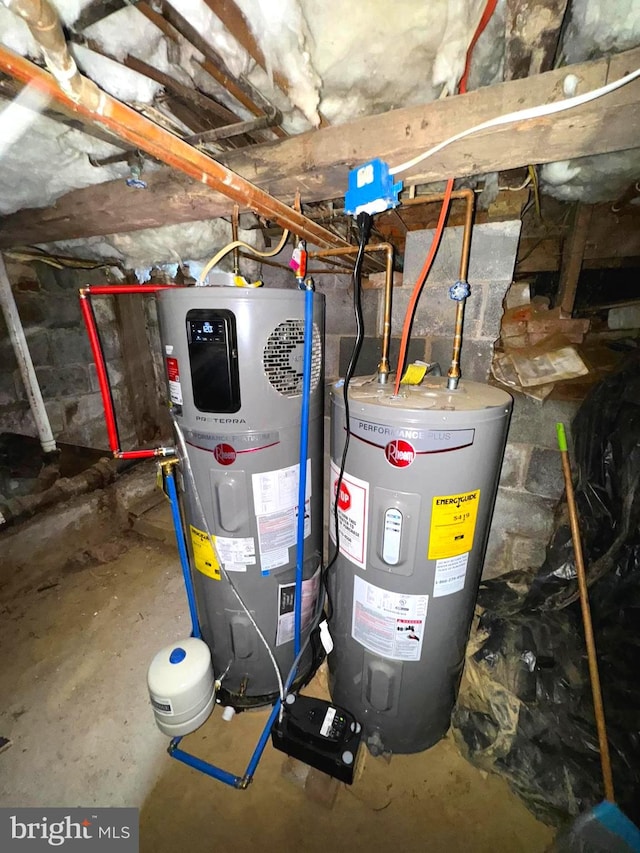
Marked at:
<point>181,686</point>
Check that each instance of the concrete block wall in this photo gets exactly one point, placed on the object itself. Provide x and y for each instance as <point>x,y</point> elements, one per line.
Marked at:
<point>47,301</point>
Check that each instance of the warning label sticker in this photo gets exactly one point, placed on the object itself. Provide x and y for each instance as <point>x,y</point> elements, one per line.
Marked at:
<point>277,490</point>
<point>275,499</point>
<point>353,507</point>
<point>287,603</point>
<point>388,623</point>
<point>173,374</point>
<point>236,554</point>
<point>204,556</point>
<point>453,524</point>
<point>450,575</point>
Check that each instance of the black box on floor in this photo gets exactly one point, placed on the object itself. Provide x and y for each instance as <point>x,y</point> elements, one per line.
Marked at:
<point>319,733</point>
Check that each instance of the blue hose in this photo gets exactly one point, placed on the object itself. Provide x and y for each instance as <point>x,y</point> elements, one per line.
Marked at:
<point>304,443</point>
<point>264,737</point>
<point>182,551</point>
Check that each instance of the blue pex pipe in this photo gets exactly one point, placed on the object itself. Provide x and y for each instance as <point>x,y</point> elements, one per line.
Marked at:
<point>203,766</point>
<point>174,750</point>
<point>264,737</point>
<point>304,443</point>
<point>182,551</point>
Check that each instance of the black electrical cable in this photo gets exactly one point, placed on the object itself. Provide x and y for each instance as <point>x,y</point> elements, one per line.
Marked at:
<point>364,222</point>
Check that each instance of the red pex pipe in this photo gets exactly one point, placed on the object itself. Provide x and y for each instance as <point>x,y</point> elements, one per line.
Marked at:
<point>103,379</point>
<point>136,454</point>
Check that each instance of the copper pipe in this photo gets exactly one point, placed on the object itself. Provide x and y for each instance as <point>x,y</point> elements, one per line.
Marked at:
<point>453,373</point>
<point>44,23</point>
<point>235,219</point>
<point>592,657</point>
<point>159,143</point>
<point>383,366</point>
<point>332,271</point>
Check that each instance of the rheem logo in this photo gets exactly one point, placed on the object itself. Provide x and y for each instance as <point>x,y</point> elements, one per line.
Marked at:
<point>399,453</point>
<point>224,454</point>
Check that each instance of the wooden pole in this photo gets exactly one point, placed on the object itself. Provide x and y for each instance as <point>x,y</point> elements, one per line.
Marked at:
<point>594,675</point>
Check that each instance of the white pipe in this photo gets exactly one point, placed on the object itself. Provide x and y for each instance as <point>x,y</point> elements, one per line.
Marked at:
<point>23,356</point>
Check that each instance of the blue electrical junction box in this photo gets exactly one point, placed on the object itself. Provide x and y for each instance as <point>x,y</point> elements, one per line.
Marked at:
<point>371,189</point>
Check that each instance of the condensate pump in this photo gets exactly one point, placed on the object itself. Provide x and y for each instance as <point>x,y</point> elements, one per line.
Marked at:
<point>234,362</point>
<point>414,509</point>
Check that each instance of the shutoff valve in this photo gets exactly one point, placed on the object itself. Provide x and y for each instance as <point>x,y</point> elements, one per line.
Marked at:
<point>459,291</point>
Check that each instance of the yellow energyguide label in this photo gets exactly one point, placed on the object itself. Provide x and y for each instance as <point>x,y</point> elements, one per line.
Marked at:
<point>204,556</point>
<point>453,524</point>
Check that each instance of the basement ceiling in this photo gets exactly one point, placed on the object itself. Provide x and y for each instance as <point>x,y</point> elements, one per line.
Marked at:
<point>197,65</point>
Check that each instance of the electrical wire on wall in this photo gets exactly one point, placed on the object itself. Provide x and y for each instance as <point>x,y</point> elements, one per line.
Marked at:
<point>364,222</point>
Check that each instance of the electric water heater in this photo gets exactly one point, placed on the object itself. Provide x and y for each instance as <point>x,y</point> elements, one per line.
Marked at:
<point>234,361</point>
<point>414,510</point>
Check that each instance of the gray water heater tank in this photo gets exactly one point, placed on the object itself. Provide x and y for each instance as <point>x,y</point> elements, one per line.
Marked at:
<point>233,361</point>
<point>414,508</point>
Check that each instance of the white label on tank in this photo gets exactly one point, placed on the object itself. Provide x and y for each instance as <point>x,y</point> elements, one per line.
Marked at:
<point>450,575</point>
<point>236,554</point>
<point>274,559</point>
<point>164,706</point>
<point>327,723</point>
<point>277,532</point>
<point>390,624</point>
<point>353,508</point>
<point>275,500</point>
<point>277,490</point>
<point>286,607</point>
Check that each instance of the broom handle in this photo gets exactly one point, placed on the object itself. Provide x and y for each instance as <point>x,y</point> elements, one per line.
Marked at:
<point>605,757</point>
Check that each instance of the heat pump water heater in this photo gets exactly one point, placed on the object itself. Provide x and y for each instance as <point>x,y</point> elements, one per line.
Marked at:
<point>414,511</point>
<point>234,367</point>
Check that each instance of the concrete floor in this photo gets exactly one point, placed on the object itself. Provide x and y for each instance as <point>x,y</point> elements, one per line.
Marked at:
<point>76,643</point>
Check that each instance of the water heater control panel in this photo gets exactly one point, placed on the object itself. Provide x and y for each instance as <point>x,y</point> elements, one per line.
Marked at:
<point>213,358</point>
<point>392,536</point>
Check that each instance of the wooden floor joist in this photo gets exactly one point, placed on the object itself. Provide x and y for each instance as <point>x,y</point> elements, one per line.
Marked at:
<point>317,163</point>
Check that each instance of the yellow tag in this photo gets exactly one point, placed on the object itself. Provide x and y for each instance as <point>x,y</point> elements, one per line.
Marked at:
<point>453,524</point>
<point>203,554</point>
<point>241,281</point>
<point>414,374</point>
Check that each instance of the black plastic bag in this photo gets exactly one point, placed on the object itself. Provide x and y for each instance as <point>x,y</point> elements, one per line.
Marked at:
<point>525,707</point>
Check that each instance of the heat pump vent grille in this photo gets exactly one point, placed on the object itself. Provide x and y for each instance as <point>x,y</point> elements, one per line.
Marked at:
<point>283,358</point>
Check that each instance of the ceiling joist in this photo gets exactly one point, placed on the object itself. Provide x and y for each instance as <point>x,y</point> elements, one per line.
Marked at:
<point>317,163</point>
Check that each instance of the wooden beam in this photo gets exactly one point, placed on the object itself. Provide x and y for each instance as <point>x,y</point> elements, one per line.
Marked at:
<point>97,11</point>
<point>317,163</point>
<point>207,66</point>
<point>572,254</point>
<point>532,33</point>
<point>234,20</point>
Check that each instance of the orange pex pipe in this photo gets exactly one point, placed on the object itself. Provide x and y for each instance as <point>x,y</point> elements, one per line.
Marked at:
<point>417,289</point>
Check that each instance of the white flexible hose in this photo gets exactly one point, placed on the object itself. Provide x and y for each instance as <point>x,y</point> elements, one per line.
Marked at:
<point>521,115</point>
<point>223,571</point>
<point>239,244</point>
